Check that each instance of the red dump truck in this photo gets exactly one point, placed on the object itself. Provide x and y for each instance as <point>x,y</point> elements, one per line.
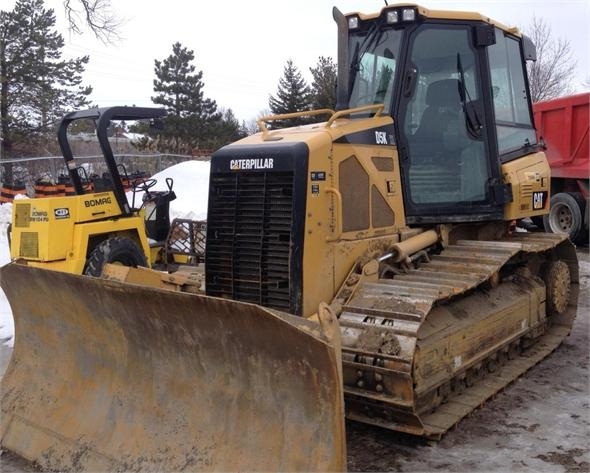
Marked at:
<point>563,125</point>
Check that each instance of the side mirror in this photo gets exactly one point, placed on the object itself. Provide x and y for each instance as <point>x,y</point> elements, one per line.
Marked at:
<point>529,49</point>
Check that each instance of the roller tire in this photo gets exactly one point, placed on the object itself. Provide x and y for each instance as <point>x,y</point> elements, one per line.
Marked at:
<point>565,216</point>
<point>123,251</point>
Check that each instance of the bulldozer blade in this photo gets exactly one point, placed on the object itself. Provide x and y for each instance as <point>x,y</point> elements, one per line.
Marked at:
<point>112,376</point>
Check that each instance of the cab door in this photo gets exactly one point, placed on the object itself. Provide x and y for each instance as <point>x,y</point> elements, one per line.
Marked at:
<point>443,131</point>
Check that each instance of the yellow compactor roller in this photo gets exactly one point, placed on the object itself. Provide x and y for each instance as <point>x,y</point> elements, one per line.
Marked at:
<point>98,224</point>
<point>400,212</point>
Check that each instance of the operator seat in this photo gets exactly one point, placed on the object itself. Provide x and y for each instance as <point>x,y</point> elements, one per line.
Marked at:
<point>443,104</point>
<point>436,145</point>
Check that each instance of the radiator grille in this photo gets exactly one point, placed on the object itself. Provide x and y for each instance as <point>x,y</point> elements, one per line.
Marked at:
<point>249,237</point>
<point>29,245</point>
<point>22,214</point>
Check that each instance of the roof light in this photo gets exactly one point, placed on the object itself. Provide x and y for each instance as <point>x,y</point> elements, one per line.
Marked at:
<point>353,22</point>
<point>392,16</point>
<point>408,14</point>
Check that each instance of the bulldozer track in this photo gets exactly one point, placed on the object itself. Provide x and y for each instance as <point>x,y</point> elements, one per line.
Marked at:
<point>387,323</point>
<point>463,403</point>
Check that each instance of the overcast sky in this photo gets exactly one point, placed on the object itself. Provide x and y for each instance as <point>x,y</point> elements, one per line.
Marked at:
<point>242,46</point>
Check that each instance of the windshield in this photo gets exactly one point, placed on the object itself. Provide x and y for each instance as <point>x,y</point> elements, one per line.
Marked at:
<point>374,57</point>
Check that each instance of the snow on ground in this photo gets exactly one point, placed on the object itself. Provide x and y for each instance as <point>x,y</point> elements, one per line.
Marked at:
<point>190,184</point>
<point>6,322</point>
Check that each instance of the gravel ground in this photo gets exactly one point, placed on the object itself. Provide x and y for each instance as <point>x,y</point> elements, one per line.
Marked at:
<point>540,423</point>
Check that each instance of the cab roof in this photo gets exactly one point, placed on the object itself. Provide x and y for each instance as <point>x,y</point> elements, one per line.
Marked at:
<point>439,15</point>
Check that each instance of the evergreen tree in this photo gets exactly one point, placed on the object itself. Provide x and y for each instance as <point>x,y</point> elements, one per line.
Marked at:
<point>37,86</point>
<point>323,86</point>
<point>227,130</point>
<point>192,118</point>
<point>293,95</point>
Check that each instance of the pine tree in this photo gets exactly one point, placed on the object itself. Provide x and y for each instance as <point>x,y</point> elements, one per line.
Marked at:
<point>37,87</point>
<point>191,117</point>
<point>227,130</point>
<point>293,95</point>
<point>323,86</point>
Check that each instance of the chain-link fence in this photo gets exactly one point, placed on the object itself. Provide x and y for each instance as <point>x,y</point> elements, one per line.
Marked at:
<point>28,171</point>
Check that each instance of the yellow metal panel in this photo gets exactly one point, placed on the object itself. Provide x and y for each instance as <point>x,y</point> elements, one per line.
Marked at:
<point>130,227</point>
<point>94,206</point>
<point>51,220</point>
<point>323,270</point>
<point>529,178</point>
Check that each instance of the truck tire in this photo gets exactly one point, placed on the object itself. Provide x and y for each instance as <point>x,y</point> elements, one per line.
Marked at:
<point>123,251</point>
<point>565,216</point>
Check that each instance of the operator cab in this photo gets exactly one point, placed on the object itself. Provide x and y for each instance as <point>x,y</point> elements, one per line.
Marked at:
<point>456,87</point>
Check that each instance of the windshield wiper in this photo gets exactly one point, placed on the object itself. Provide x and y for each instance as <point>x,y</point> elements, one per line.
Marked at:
<point>472,121</point>
<point>372,37</point>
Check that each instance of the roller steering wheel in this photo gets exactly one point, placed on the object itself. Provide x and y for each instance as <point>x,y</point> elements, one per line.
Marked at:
<point>145,185</point>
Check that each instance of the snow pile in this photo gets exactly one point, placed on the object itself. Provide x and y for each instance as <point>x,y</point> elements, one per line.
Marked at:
<point>5,217</point>
<point>6,321</point>
<point>191,186</point>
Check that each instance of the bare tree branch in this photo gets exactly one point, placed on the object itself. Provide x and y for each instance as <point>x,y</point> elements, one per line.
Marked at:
<point>552,75</point>
<point>97,15</point>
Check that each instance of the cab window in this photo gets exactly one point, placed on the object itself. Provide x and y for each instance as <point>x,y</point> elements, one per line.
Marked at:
<point>514,124</point>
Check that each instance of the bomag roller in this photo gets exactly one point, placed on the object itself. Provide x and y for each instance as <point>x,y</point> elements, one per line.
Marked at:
<point>97,224</point>
<point>390,228</point>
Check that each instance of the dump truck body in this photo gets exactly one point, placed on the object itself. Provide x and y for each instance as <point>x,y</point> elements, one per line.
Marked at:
<point>563,125</point>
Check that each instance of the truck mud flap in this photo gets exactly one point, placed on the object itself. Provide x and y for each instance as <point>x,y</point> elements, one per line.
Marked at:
<point>111,376</point>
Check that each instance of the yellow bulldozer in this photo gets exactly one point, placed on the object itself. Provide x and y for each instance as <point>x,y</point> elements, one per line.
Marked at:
<point>368,267</point>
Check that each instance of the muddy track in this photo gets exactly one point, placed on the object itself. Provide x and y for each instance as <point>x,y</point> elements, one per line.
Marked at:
<point>541,422</point>
<point>435,376</point>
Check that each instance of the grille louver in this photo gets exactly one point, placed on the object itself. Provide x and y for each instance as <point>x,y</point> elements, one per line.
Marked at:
<point>29,245</point>
<point>248,246</point>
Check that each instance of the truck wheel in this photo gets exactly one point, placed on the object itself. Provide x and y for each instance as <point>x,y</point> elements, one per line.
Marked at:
<point>123,251</point>
<point>565,216</point>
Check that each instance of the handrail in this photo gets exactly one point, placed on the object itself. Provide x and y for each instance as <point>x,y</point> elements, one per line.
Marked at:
<point>285,116</point>
<point>378,107</point>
